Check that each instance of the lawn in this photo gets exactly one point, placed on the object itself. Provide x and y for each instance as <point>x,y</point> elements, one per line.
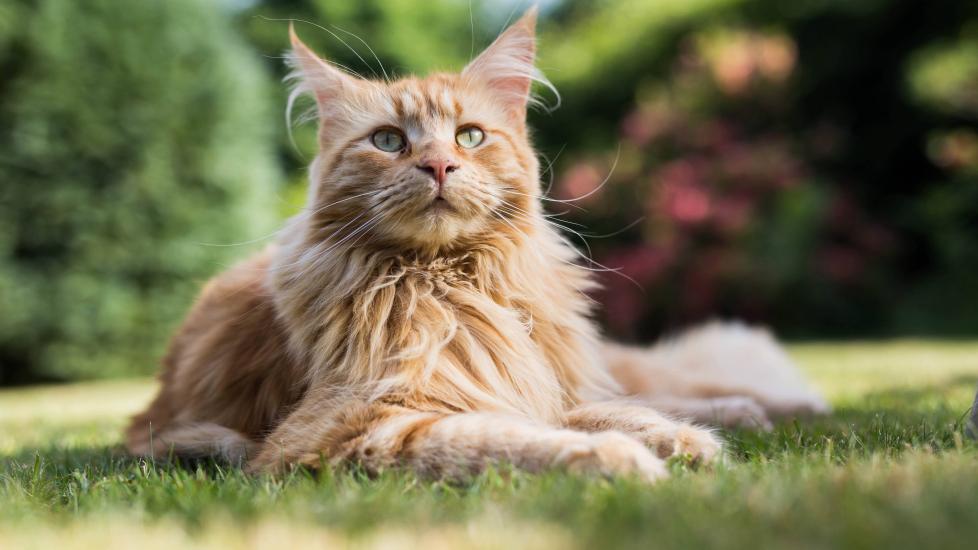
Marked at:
<point>891,467</point>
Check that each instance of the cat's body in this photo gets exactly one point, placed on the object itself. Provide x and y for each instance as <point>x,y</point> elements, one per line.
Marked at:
<point>422,312</point>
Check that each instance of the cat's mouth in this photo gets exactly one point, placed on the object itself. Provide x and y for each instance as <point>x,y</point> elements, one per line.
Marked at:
<point>441,204</point>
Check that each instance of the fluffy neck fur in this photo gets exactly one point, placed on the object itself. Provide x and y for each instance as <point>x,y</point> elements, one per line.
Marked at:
<point>499,324</point>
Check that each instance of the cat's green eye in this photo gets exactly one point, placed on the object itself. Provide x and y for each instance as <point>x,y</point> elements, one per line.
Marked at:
<point>388,140</point>
<point>470,137</point>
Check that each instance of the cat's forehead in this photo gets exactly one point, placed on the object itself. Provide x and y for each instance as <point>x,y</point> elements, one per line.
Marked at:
<point>434,101</point>
<point>432,97</point>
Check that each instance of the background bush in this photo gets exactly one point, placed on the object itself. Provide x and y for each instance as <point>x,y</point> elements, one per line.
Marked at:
<point>131,133</point>
<point>810,165</point>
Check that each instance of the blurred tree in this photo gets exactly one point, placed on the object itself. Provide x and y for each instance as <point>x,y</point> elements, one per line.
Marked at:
<point>131,133</point>
<point>943,80</point>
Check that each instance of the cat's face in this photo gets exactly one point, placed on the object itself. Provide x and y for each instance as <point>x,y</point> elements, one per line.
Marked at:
<point>426,162</point>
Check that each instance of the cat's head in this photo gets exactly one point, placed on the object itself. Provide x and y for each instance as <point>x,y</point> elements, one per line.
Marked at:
<point>428,162</point>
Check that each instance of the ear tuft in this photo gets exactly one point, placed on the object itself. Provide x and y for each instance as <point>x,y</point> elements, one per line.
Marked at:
<point>507,66</point>
<point>315,76</point>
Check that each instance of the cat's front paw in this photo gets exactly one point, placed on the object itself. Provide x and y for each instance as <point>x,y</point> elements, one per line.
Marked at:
<point>697,444</point>
<point>613,454</point>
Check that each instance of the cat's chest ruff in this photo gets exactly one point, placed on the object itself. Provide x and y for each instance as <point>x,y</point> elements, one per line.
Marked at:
<point>447,273</point>
<point>455,286</point>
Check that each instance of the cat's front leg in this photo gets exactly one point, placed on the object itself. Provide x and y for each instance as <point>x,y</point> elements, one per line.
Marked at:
<point>458,445</point>
<point>666,436</point>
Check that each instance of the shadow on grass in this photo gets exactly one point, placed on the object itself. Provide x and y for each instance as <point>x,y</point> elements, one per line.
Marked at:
<point>101,461</point>
<point>66,457</point>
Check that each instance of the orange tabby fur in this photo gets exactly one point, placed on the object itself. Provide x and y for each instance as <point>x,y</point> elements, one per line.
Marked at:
<point>397,322</point>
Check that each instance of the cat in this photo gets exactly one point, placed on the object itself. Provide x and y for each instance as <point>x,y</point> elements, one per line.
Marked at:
<point>420,312</point>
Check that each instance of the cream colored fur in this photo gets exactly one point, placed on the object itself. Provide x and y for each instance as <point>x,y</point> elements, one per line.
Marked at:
<point>726,374</point>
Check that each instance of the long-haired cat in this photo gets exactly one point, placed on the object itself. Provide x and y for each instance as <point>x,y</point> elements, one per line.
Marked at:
<point>421,313</point>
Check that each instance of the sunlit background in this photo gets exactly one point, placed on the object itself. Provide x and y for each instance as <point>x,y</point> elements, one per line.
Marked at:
<point>812,164</point>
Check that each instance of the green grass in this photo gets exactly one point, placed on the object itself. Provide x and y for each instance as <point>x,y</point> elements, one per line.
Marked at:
<point>891,467</point>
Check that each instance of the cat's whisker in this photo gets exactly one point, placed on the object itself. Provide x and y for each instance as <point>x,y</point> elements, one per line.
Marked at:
<point>552,223</point>
<point>514,207</point>
<point>306,210</point>
<point>569,202</point>
<point>362,41</point>
<point>587,257</point>
<point>242,243</point>
<point>327,240</point>
<point>552,219</point>
<point>338,65</point>
<point>321,209</point>
<point>324,255</point>
<point>557,216</point>
<point>601,269</point>
<point>542,198</point>
<point>331,33</point>
<point>509,17</point>
<point>365,226</point>
<point>549,168</point>
<point>509,223</point>
<point>358,233</point>
<point>471,32</point>
<point>614,165</point>
<point>518,230</point>
<point>619,231</point>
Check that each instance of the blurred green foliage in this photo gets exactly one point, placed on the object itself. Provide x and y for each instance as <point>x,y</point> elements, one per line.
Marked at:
<point>812,165</point>
<point>131,133</point>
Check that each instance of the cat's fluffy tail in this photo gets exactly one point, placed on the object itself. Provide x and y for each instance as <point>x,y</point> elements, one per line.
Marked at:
<point>724,373</point>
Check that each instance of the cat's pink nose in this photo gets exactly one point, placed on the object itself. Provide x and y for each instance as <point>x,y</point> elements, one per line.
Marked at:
<point>438,169</point>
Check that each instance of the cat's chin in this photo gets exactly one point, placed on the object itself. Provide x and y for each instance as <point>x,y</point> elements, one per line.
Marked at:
<point>440,225</point>
<point>440,207</point>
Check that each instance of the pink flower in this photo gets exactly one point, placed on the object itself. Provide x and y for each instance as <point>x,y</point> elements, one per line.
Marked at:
<point>680,196</point>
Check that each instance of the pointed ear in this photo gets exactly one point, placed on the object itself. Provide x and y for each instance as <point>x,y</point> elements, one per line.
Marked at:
<point>506,66</point>
<point>315,76</point>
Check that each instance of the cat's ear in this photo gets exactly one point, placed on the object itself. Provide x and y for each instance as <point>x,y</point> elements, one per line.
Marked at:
<point>506,66</point>
<point>317,77</point>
